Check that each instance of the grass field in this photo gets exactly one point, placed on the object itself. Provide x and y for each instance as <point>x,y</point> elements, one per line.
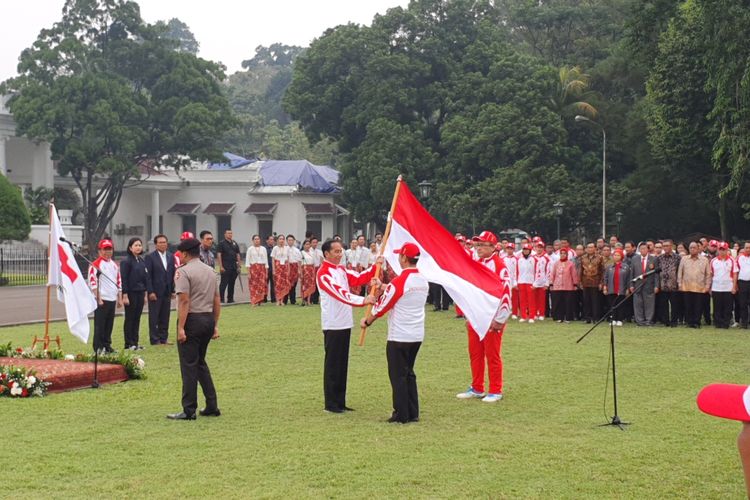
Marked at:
<point>274,440</point>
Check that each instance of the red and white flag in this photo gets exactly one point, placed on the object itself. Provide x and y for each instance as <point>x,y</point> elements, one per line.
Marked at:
<point>71,287</point>
<point>479,293</point>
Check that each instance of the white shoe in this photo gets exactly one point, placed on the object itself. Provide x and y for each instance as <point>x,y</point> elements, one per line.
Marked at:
<point>531,321</point>
<point>514,317</point>
<point>619,323</point>
<point>492,398</point>
<point>613,323</point>
<point>470,394</point>
<point>522,320</point>
<point>540,318</point>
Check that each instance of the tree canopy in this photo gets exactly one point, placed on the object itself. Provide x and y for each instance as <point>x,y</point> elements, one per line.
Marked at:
<point>15,223</point>
<point>111,93</point>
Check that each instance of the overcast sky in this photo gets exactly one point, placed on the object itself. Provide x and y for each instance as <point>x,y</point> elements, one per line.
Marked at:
<point>227,30</point>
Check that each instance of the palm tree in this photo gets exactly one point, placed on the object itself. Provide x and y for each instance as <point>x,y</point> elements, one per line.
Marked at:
<point>572,92</point>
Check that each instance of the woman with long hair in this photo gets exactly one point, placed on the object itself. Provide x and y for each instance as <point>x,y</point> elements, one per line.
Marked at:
<point>308,274</point>
<point>256,262</point>
<point>134,277</point>
<point>280,256</point>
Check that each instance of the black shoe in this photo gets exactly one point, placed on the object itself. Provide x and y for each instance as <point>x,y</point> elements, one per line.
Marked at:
<point>212,412</point>
<point>333,410</point>
<point>346,408</point>
<point>180,416</point>
<point>395,420</point>
<point>230,301</point>
<point>415,419</point>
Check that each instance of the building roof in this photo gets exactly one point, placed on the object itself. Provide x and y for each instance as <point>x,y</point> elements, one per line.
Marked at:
<point>261,208</point>
<point>300,173</point>
<point>219,208</point>
<point>184,208</point>
<point>233,161</point>
<point>319,208</point>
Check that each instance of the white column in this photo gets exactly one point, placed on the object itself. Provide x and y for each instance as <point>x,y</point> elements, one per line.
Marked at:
<point>3,165</point>
<point>155,212</point>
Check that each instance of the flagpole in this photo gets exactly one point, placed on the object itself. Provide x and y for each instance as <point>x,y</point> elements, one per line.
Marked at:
<point>382,250</point>
<point>49,270</point>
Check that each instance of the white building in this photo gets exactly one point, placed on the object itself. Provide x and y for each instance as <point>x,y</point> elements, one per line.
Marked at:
<point>247,199</point>
<point>282,197</point>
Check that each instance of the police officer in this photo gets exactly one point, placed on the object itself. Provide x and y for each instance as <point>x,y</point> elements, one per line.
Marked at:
<point>404,298</point>
<point>199,308</point>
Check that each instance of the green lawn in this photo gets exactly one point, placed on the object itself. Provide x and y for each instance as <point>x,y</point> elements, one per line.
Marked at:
<point>274,440</point>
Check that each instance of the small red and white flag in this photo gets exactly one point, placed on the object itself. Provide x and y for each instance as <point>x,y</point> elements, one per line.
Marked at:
<point>72,289</point>
<point>479,293</point>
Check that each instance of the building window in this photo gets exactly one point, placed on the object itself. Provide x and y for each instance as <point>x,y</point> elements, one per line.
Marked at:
<point>149,235</point>
<point>265,228</point>
<point>189,223</point>
<point>315,227</point>
<point>223,222</point>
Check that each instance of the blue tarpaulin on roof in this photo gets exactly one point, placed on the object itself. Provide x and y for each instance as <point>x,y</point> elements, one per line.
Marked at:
<point>302,173</point>
<point>235,161</point>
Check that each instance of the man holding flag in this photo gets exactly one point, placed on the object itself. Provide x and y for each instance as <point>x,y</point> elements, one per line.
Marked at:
<point>481,291</point>
<point>487,348</point>
<point>66,277</point>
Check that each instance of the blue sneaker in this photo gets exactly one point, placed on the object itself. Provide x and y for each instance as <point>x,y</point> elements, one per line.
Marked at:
<point>470,394</point>
<point>492,398</point>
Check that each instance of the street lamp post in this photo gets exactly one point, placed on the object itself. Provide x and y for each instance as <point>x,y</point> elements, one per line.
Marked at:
<point>425,189</point>
<point>558,212</point>
<point>618,217</point>
<point>580,118</point>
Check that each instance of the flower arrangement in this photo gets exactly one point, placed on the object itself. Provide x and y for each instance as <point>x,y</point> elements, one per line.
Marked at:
<point>17,382</point>
<point>134,365</point>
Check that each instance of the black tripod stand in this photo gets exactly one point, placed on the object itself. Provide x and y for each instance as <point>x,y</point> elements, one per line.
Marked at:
<point>94,383</point>
<point>615,420</point>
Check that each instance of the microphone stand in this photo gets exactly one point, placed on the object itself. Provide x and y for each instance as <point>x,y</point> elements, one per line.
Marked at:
<point>615,420</point>
<point>95,383</point>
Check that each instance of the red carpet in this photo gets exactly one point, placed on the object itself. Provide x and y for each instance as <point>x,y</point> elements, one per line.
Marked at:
<point>68,375</point>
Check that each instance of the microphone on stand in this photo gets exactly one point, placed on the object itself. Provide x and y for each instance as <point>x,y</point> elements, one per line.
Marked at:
<point>72,245</point>
<point>646,275</point>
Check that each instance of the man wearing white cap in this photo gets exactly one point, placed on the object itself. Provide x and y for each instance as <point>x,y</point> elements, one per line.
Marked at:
<point>108,292</point>
<point>404,299</point>
<point>723,285</point>
<point>488,349</point>
<point>542,274</point>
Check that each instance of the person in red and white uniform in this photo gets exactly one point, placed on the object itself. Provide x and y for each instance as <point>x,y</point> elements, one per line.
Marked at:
<point>542,274</point>
<point>105,282</point>
<point>511,264</point>
<point>403,299</point>
<point>723,285</point>
<point>336,302</point>
<point>526,265</point>
<point>743,283</point>
<point>488,349</point>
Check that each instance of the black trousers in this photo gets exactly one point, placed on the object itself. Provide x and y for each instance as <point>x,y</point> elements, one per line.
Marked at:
<point>291,297</point>
<point>335,367</point>
<point>440,299</point>
<point>104,320</point>
<point>199,328</point>
<point>669,307</point>
<point>706,309</point>
<point>743,297</point>
<point>563,305</point>
<point>619,314</point>
<point>271,287</point>
<point>133,312</point>
<point>401,357</point>
<point>228,279</point>
<point>158,319</point>
<point>723,305</point>
<point>693,307</point>
<point>592,303</point>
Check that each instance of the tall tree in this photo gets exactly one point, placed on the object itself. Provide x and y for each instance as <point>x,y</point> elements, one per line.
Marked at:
<point>179,32</point>
<point>108,92</point>
<point>15,223</point>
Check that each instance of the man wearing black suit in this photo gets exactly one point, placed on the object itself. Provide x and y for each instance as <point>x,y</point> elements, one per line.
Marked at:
<point>160,285</point>
<point>644,298</point>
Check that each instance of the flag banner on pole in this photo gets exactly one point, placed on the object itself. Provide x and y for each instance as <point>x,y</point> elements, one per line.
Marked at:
<point>72,289</point>
<point>473,287</point>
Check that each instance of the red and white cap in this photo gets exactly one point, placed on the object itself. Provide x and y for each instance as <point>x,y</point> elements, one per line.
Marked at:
<point>486,236</point>
<point>511,245</point>
<point>730,401</point>
<point>186,235</point>
<point>536,239</point>
<point>527,246</point>
<point>539,243</point>
<point>723,245</point>
<point>410,250</point>
<point>105,243</point>
<point>713,243</point>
